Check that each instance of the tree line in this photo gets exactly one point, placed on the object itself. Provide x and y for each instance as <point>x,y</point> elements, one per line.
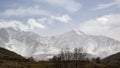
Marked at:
<point>67,55</point>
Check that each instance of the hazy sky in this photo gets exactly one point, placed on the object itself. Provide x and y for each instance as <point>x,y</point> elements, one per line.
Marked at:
<point>50,17</point>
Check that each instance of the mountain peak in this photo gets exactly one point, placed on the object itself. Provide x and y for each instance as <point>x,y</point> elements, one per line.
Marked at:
<point>76,31</point>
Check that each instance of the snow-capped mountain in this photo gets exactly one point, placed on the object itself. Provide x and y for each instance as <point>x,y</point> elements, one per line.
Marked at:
<point>29,44</point>
<point>23,43</point>
<point>97,45</point>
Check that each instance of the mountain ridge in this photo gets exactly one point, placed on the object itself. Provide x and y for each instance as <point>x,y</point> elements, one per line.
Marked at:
<point>29,44</point>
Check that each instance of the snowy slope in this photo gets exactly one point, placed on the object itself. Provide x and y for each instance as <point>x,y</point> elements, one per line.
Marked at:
<point>29,44</point>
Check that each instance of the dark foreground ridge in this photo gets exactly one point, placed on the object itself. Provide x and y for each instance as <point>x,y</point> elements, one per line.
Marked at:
<point>10,59</point>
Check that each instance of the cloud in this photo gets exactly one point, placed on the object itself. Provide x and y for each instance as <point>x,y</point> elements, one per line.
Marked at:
<point>69,5</point>
<point>60,18</point>
<point>30,26</point>
<point>104,6</point>
<point>107,5</point>
<point>63,18</point>
<point>34,24</point>
<point>22,11</point>
<point>13,24</point>
<point>107,25</point>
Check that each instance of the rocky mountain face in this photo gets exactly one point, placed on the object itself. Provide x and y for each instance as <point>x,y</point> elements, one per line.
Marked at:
<point>29,44</point>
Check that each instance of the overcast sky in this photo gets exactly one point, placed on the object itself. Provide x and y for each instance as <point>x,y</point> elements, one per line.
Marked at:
<point>50,17</point>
